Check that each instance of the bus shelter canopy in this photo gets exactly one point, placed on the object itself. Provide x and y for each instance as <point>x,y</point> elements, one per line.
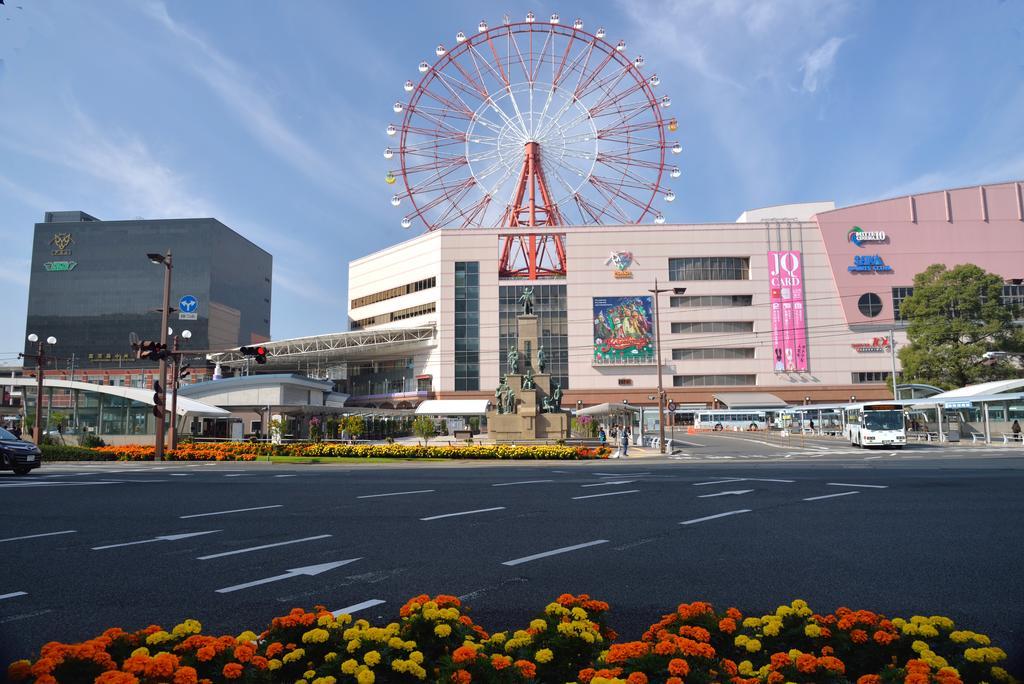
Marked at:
<point>750,400</point>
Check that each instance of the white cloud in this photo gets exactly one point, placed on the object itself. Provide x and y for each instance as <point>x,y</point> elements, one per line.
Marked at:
<point>819,64</point>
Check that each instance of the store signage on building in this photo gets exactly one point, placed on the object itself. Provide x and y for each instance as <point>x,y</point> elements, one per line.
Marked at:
<point>858,236</point>
<point>60,265</point>
<point>61,242</point>
<point>623,330</point>
<point>958,404</point>
<point>869,263</point>
<point>878,344</point>
<point>622,262</point>
<point>789,330</point>
<point>187,307</point>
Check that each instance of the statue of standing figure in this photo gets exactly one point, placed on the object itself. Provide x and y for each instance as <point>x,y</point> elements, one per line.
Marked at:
<point>508,400</point>
<point>526,299</point>
<point>556,398</point>
<point>528,380</point>
<point>513,359</point>
<point>542,358</point>
<point>499,395</point>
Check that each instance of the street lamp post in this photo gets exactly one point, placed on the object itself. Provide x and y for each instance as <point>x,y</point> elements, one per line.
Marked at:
<point>175,380</point>
<point>40,357</point>
<point>161,425</point>
<point>657,334</point>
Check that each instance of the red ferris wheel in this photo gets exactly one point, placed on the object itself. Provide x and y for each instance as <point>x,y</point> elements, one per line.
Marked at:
<point>532,125</point>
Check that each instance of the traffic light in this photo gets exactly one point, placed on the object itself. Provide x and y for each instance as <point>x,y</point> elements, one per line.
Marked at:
<point>184,371</point>
<point>158,399</point>
<point>259,352</point>
<point>150,350</point>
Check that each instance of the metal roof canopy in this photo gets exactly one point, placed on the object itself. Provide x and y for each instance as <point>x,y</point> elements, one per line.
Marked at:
<point>334,347</point>
<point>452,407</point>
<point>983,389</point>
<point>750,400</point>
<point>607,410</point>
<point>186,406</point>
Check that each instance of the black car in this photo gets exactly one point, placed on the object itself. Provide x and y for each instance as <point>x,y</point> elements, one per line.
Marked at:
<point>18,455</point>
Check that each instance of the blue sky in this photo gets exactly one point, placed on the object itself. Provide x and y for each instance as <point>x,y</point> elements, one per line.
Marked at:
<point>270,115</point>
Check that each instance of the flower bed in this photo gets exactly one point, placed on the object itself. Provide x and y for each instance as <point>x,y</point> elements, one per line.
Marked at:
<point>434,640</point>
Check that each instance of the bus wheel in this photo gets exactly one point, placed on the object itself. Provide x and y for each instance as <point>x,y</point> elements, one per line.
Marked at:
<point>718,427</point>
<point>753,427</point>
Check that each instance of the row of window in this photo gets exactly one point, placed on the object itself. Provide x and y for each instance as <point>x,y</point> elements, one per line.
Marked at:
<point>869,377</point>
<point>467,326</point>
<point>709,268</point>
<point>870,304</point>
<point>399,315</point>
<point>689,327</point>
<point>409,288</point>
<point>699,353</point>
<point>713,380</point>
<point>710,301</point>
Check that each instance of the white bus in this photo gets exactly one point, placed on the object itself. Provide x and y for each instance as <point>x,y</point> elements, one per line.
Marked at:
<point>723,419</point>
<point>875,424</point>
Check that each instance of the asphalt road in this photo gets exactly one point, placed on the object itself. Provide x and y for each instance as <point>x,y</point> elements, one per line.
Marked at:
<point>731,520</point>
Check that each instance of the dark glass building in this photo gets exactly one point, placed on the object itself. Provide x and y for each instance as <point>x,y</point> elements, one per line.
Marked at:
<point>92,285</point>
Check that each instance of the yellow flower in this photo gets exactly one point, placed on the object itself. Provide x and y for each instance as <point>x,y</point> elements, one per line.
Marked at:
<point>297,654</point>
<point>741,640</point>
<point>141,650</point>
<point>246,637</point>
<point>325,680</point>
<point>316,636</point>
<point>746,668</point>
<point>372,658</point>
<point>539,625</point>
<point>365,677</point>
<point>918,646</point>
<point>395,643</point>
<point>158,638</point>
<point>753,646</point>
<point>544,655</point>
<point>325,621</point>
<point>309,674</point>
<point>1001,674</point>
<point>354,645</point>
<point>273,664</point>
<point>772,628</point>
<point>416,657</point>
<point>187,627</point>
<point>927,630</point>
<point>941,621</point>
<point>349,666</point>
<point>813,631</point>
<point>751,622</point>
<point>442,630</point>
<point>578,613</point>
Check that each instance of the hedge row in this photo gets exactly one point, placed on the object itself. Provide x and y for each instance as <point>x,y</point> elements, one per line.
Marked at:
<point>434,640</point>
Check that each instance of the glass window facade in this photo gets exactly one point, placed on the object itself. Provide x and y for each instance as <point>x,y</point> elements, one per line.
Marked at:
<point>425,284</point>
<point>550,305</point>
<point>870,377</point>
<point>710,301</point>
<point>870,304</point>
<point>712,380</point>
<point>709,268</point>
<point>467,325</point>
<point>898,295</point>
<point>712,327</point>
<point>374,378</point>
<point>698,353</point>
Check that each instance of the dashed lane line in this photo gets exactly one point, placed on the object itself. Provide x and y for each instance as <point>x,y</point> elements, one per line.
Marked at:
<point>594,496</point>
<point>510,484</point>
<point>260,548</point>
<point>290,475</point>
<point>609,482</point>
<point>847,484</point>
<point>13,594</point>
<point>452,515</point>
<point>415,491</point>
<point>829,496</point>
<point>716,482</point>
<point>712,517</point>
<point>355,608</point>
<point>168,537</point>
<point>233,510</point>
<point>35,536</point>
<point>554,552</point>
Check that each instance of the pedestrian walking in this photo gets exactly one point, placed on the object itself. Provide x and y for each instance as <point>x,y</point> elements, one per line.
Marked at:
<point>1016,428</point>
<point>602,436</point>
<point>625,442</point>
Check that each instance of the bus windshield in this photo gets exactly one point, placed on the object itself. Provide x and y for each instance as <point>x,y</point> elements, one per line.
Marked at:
<point>883,420</point>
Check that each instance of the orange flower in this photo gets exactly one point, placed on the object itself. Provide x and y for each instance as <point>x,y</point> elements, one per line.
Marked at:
<point>832,664</point>
<point>678,667</point>
<point>115,677</point>
<point>206,653</point>
<point>462,677</point>
<point>729,667</point>
<point>734,614</point>
<point>858,636</point>
<point>244,653</point>
<point>259,662</point>
<point>636,678</point>
<point>869,679</point>
<point>916,678</point>
<point>779,661</point>
<point>673,680</point>
<point>586,675</point>
<point>884,638</point>
<point>727,625</point>
<point>697,633</point>
<point>162,665</point>
<point>528,669</point>
<point>274,649</point>
<point>232,671</point>
<point>18,670</point>
<point>464,654</point>
<point>136,664</point>
<point>806,663</point>
<point>186,675</point>
<point>444,600</point>
<point>775,678</point>
<point>619,653</point>
<point>500,662</point>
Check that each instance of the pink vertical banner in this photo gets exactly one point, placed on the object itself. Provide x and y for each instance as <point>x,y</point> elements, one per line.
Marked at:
<point>789,329</point>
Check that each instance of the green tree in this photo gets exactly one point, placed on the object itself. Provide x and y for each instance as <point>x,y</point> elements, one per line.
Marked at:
<point>355,425</point>
<point>954,317</point>
<point>423,427</point>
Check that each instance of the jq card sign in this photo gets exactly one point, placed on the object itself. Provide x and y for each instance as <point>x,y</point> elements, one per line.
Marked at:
<point>623,330</point>
<point>789,325</point>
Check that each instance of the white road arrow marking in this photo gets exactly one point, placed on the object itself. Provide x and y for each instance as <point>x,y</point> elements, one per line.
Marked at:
<point>736,492</point>
<point>309,570</point>
<point>609,482</point>
<point>166,537</point>
<point>13,594</point>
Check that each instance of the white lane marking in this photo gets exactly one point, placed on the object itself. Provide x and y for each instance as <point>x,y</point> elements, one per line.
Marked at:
<point>758,441</point>
<point>554,552</point>
<point>736,492</point>
<point>238,475</point>
<point>830,496</point>
<point>452,515</point>
<point>509,484</point>
<point>33,536</point>
<point>13,594</point>
<point>25,485</point>
<point>284,476</point>
<point>731,479</point>
<point>712,517</point>
<point>309,570</point>
<point>594,496</point>
<point>619,474</point>
<point>609,482</point>
<point>417,491</point>
<point>348,610</point>
<point>168,537</point>
<point>847,484</point>
<point>179,474</point>
<point>260,548</point>
<point>871,458</point>
<point>233,510</point>
<point>762,479</point>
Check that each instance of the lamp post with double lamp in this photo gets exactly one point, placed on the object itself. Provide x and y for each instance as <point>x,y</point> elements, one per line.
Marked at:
<point>176,372</point>
<point>40,357</point>
<point>657,333</point>
<point>161,392</point>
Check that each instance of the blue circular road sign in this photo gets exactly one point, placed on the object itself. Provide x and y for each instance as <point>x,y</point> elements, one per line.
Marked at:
<point>188,304</point>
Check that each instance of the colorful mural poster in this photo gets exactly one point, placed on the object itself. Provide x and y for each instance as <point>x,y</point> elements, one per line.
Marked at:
<point>789,324</point>
<point>623,330</point>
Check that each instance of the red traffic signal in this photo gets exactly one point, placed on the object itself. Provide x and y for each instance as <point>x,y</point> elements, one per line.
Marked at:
<point>259,352</point>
